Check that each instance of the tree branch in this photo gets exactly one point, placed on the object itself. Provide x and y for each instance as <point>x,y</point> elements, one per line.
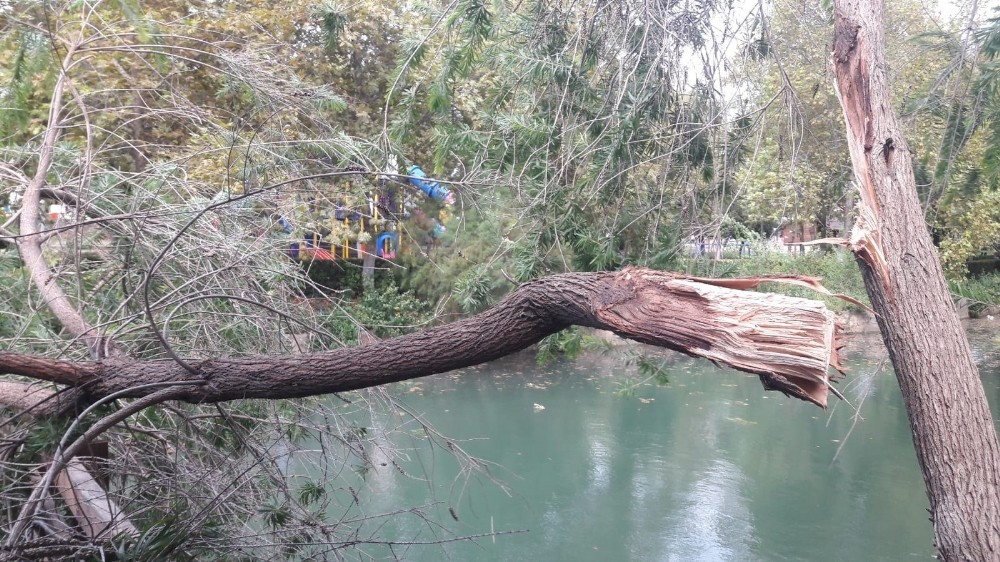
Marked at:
<point>789,342</point>
<point>31,238</point>
<point>156,395</point>
<point>23,396</point>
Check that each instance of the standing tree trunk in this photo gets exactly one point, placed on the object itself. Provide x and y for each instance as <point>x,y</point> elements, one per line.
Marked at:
<point>368,271</point>
<point>953,430</point>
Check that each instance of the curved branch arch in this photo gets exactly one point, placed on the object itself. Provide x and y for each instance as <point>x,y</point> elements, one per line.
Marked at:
<point>789,342</point>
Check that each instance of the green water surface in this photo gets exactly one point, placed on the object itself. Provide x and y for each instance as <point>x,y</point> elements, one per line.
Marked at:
<point>708,467</point>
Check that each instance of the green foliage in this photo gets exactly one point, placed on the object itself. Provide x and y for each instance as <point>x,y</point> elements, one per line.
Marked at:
<point>568,344</point>
<point>578,182</point>
<point>976,232</point>
<point>43,437</point>
<point>334,22</point>
<point>463,266</point>
<point>18,318</point>
<point>472,290</point>
<point>651,368</point>
<point>981,293</point>
<point>386,311</point>
<point>161,541</point>
<point>958,140</point>
<point>29,75</point>
<point>837,270</point>
<point>275,514</point>
<point>311,492</point>
<point>177,147</point>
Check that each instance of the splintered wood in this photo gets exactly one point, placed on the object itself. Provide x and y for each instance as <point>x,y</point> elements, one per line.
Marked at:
<point>789,342</point>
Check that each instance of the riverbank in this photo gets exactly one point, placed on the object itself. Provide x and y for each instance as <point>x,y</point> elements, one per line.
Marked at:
<point>860,322</point>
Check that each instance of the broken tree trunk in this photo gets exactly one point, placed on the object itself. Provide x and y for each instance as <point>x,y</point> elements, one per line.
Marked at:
<point>789,342</point>
<point>953,431</point>
<point>86,499</point>
<point>96,514</point>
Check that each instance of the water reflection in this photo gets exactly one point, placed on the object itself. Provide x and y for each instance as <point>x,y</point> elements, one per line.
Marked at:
<point>706,468</point>
<point>713,522</point>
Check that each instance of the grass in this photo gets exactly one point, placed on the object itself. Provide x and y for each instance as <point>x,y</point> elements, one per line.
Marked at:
<point>837,269</point>
<point>981,293</point>
<point>839,274</point>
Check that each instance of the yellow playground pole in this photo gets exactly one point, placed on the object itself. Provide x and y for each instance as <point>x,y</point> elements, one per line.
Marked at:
<point>347,223</point>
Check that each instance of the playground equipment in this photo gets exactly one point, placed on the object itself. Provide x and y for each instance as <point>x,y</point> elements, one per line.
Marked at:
<point>352,226</point>
<point>387,244</point>
<point>431,188</point>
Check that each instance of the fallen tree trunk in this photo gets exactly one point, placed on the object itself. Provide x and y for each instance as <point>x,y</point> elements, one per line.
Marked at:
<point>96,514</point>
<point>789,342</point>
<point>953,431</point>
<point>86,499</point>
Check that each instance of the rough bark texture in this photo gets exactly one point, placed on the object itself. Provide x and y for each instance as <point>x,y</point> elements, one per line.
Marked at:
<point>953,430</point>
<point>788,342</point>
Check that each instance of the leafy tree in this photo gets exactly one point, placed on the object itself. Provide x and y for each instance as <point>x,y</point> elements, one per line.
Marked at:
<point>579,123</point>
<point>180,138</point>
<point>798,174</point>
<point>174,137</point>
<point>957,143</point>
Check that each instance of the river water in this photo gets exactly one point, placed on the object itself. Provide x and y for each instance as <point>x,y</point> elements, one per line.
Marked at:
<point>708,467</point>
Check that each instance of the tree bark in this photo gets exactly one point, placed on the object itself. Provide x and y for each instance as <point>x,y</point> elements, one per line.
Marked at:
<point>953,431</point>
<point>789,342</point>
<point>368,271</point>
